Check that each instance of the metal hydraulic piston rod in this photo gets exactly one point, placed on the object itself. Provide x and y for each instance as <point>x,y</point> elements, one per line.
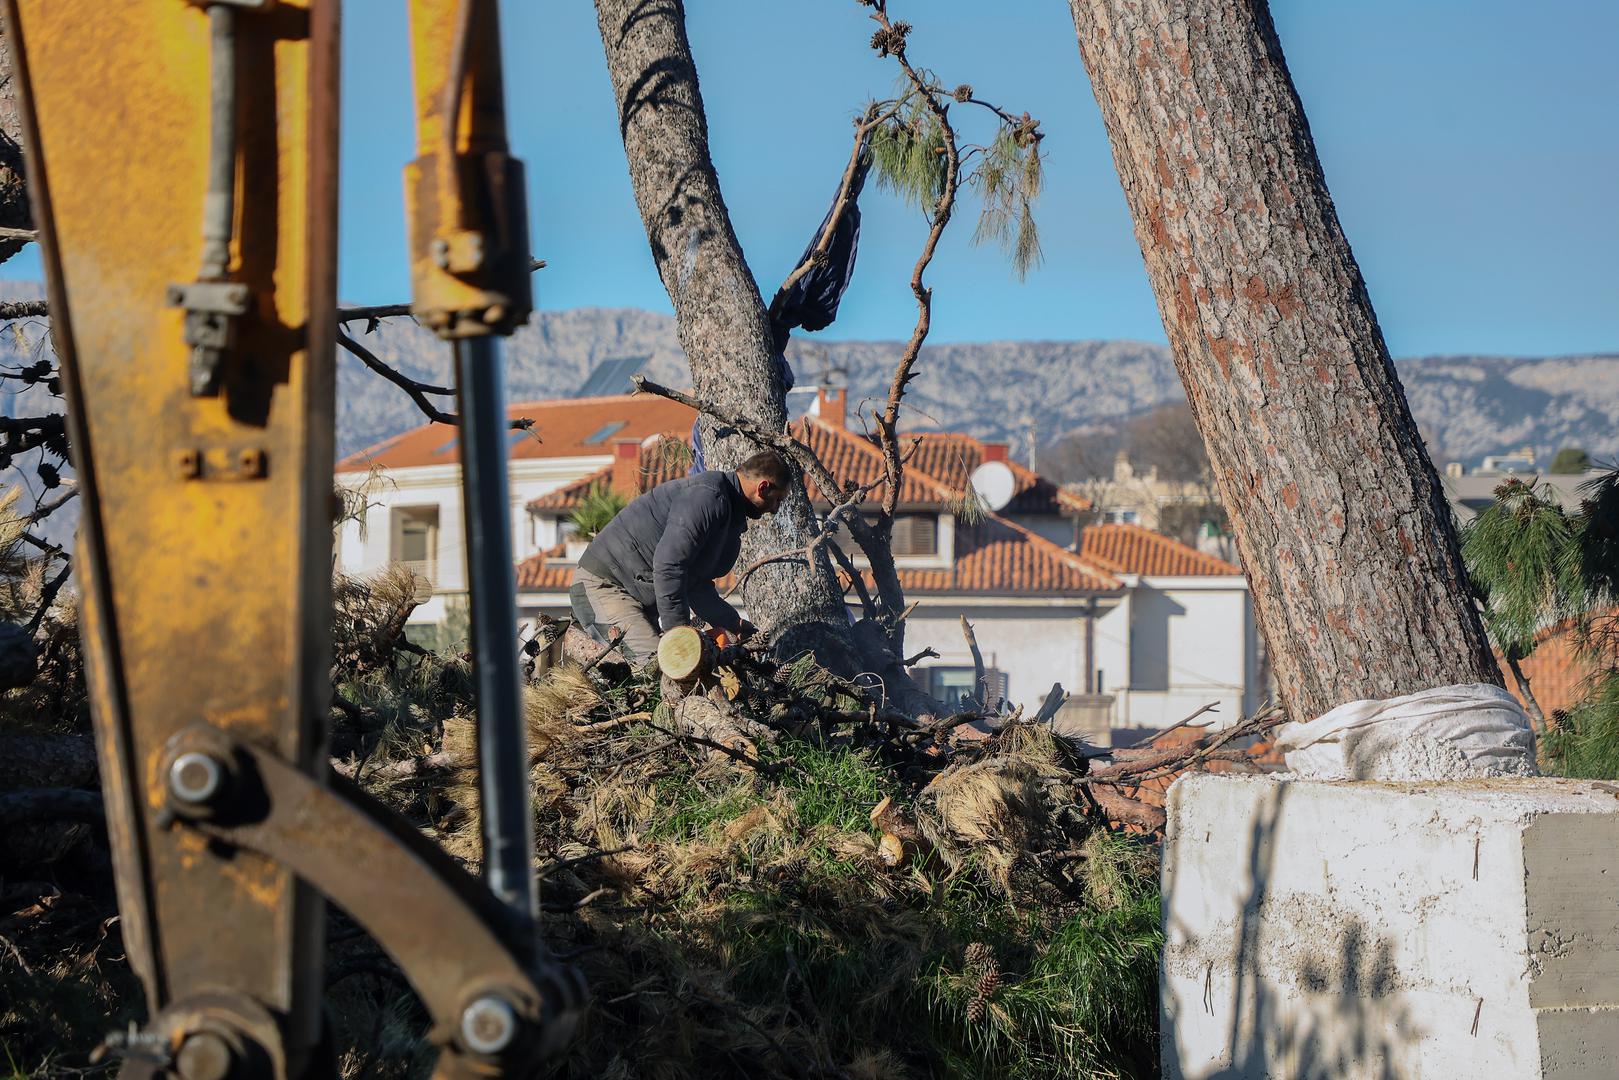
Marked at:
<point>470,284</point>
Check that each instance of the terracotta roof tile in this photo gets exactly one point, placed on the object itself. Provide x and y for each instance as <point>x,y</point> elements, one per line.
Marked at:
<point>994,555</point>
<point>544,572</point>
<point>1556,669</point>
<point>569,427</point>
<point>657,466</point>
<point>853,458</point>
<point>950,458</point>
<point>1132,549</point>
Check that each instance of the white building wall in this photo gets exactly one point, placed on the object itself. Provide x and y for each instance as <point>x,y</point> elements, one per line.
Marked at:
<point>1034,645</point>
<point>1176,645</point>
<point>1113,647</point>
<point>361,551</point>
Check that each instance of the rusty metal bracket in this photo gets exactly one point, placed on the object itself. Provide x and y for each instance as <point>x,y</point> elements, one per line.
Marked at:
<point>222,463</point>
<point>494,1002</point>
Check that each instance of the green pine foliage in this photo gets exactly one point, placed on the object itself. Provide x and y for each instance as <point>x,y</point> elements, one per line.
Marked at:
<point>1536,567</point>
<point>1521,555</point>
<point>908,155</point>
<point>1008,179</point>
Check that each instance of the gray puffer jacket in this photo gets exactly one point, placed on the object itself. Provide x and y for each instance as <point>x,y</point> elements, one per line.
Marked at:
<point>666,548</point>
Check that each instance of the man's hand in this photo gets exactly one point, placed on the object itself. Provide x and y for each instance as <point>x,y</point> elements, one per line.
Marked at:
<point>745,630</point>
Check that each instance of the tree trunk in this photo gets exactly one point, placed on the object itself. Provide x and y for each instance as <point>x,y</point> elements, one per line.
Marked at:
<point>14,209</point>
<point>1338,514</point>
<point>723,325</point>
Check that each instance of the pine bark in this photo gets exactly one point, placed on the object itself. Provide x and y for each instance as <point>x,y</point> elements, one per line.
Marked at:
<point>723,325</point>
<point>1343,528</point>
<point>15,212</point>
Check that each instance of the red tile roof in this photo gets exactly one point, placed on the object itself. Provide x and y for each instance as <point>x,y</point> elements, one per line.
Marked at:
<point>1556,669</point>
<point>542,572</point>
<point>855,459</point>
<point>992,556</point>
<point>995,555</point>
<point>950,458</point>
<point>570,427</point>
<point>667,458</point>
<point>1132,549</point>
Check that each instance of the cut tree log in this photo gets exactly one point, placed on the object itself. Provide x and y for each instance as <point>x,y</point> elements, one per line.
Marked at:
<point>685,654</point>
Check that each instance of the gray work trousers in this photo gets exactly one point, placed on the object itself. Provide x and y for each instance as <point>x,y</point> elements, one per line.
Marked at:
<point>599,604</point>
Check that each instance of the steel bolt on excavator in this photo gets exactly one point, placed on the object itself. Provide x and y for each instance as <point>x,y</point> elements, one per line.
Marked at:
<point>199,370</point>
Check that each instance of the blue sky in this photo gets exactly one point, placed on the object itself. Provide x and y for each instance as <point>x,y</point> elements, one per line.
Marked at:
<point>1471,147</point>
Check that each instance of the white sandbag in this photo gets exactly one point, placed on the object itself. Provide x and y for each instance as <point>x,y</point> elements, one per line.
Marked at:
<point>1447,733</point>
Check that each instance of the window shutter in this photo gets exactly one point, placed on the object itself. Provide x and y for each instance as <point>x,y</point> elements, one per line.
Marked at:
<point>916,534</point>
<point>995,687</point>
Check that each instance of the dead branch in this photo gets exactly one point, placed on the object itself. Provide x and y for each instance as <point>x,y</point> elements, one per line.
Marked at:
<point>1152,739</point>
<point>980,676</point>
<point>917,658</point>
<point>23,309</point>
<point>403,769</point>
<point>47,597</point>
<point>1127,811</point>
<point>1053,701</point>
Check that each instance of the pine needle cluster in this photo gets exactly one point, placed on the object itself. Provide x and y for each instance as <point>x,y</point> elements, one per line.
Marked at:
<point>1538,567</point>
<point>909,156</point>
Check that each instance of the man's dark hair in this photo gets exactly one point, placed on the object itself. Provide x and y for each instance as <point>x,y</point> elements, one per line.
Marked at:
<point>766,465</point>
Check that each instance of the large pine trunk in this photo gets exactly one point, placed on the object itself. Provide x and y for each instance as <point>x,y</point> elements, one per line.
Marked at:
<point>723,325</point>
<point>15,212</point>
<point>1339,516</point>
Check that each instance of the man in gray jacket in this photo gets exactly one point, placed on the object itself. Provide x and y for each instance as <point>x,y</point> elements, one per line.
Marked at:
<point>656,561</point>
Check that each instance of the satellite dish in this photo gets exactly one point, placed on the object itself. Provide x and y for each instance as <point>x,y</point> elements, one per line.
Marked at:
<point>994,484</point>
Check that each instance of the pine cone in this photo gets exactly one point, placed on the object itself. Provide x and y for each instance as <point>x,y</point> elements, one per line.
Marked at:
<point>964,92</point>
<point>989,982</point>
<point>891,39</point>
<point>978,958</point>
<point>975,1010</point>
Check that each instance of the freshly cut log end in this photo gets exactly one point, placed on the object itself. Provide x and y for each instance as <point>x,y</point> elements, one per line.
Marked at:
<point>683,654</point>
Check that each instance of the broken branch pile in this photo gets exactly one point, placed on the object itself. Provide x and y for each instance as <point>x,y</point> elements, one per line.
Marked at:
<point>762,870</point>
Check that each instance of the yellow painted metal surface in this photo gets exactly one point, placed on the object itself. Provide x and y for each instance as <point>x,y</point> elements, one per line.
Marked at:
<point>468,237</point>
<point>210,603</point>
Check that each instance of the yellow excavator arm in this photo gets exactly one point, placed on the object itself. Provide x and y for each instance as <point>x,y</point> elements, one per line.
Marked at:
<point>182,161</point>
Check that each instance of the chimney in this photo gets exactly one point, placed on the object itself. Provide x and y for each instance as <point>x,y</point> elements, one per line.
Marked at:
<point>996,451</point>
<point>830,402</point>
<point>626,475</point>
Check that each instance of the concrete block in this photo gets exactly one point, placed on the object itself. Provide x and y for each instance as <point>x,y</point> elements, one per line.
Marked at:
<point>1344,930</point>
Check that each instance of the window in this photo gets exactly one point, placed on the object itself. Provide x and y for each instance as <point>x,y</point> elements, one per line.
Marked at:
<point>415,540</point>
<point>916,534</point>
<point>953,685</point>
<point>1121,517</point>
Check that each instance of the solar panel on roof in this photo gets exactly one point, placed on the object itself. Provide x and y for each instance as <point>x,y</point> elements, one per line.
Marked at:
<point>612,377</point>
<point>515,438</point>
<point>447,447</point>
<point>603,433</point>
